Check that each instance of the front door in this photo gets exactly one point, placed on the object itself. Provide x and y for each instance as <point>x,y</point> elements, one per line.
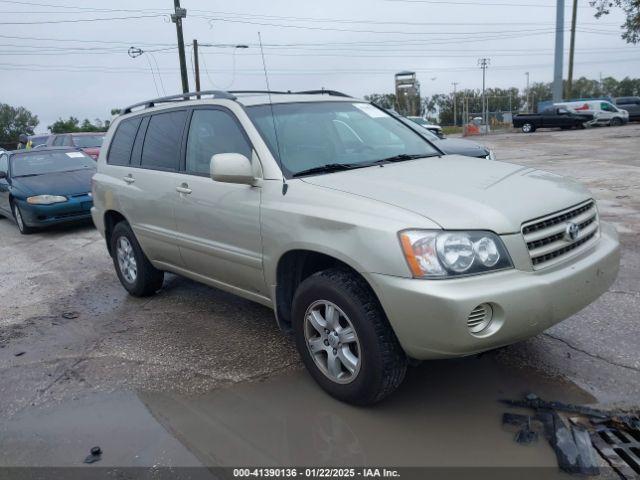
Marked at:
<point>5,209</point>
<point>218,223</point>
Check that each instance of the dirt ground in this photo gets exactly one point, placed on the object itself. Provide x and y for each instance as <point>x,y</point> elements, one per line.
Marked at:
<point>195,376</point>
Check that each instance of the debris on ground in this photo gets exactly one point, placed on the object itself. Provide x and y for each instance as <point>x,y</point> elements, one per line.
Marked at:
<point>95,455</point>
<point>615,435</point>
<point>70,315</point>
<point>19,354</point>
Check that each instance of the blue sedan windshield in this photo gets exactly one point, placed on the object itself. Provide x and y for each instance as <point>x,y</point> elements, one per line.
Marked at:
<point>40,163</point>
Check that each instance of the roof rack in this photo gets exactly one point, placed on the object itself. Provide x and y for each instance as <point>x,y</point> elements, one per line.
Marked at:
<point>180,97</point>
<point>333,93</point>
<point>289,92</point>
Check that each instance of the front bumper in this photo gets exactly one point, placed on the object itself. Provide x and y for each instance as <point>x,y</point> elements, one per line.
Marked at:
<point>76,208</point>
<point>429,317</point>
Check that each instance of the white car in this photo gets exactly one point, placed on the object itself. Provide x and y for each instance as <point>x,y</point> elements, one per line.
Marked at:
<point>604,112</point>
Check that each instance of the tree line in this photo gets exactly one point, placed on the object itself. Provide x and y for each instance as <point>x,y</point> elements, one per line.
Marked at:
<point>17,120</point>
<point>441,105</point>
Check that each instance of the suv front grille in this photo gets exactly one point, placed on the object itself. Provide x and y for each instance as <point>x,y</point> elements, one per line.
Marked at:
<point>549,238</point>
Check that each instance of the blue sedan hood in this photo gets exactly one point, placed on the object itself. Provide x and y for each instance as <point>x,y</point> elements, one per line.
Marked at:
<point>63,183</point>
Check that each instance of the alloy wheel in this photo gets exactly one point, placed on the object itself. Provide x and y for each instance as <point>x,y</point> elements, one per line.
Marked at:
<point>18,216</point>
<point>126,259</point>
<point>332,341</point>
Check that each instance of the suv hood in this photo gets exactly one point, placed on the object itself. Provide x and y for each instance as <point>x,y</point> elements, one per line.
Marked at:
<point>459,192</point>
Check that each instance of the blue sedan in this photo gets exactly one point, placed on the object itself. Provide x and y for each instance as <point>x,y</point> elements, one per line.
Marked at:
<point>45,186</point>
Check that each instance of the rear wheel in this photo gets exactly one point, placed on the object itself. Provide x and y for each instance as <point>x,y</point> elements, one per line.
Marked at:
<point>134,269</point>
<point>345,339</point>
<point>22,227</point>
<point>528,128</point>
<point>615,122</point>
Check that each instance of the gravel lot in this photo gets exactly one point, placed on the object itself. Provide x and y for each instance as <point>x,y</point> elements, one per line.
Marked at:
<point>197,376</point>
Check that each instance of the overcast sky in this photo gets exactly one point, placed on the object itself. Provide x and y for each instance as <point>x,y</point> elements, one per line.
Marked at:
<point>56,64</point>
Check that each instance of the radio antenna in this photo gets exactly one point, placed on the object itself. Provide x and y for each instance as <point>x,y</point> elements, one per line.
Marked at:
<point>273,117</point>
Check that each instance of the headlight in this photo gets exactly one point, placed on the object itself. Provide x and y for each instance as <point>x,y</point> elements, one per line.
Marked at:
<point>46,199</point>
<point>439,254</point>
<point>491,155</point>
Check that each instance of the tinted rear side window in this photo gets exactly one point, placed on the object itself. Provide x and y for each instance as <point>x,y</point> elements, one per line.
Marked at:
<point>122,143</point>
<point>161,149</point>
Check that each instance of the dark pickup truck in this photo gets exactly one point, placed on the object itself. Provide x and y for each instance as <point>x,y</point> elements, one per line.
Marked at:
<point>556,117</point>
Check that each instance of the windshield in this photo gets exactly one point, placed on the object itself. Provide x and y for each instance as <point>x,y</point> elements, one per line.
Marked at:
<point>88,141</point>
<point>311,135</point>
<point>40,163</point>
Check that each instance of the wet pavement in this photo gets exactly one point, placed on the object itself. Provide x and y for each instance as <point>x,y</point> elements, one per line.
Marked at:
<point>196,376</point>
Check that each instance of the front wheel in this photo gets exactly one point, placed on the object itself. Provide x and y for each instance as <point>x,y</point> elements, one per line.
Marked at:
<point>615,122</point>
<point>22,227</point>
<point>134,269</point>
<point>528,128</point>
<point>345,339</point>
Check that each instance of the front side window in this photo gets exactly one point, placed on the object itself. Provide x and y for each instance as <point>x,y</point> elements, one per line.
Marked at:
<point>58,141</point>
<point>40,163</point>
<point>212,132</point>
<point>161,148</point>
<point>4,163</point>
<point>315,134</point>
<point>607,107</point>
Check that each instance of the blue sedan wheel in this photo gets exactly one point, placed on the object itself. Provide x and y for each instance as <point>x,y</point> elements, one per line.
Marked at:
<point>24,229</point>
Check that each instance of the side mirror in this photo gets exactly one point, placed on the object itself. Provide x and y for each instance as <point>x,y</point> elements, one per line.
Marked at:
<point>3,175</point>
<point>232,168</point>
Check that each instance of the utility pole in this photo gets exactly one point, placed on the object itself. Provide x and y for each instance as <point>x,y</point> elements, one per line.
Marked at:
<point>484,63</point>
<point>196,65</point>
<point>176,18</point>
<point>455,112</point>
<point>572,48</point>
<point>557,68</point>
<point>527,92</point>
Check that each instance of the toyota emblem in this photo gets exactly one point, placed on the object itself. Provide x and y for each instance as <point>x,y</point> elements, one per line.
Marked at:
<point>571,232</point>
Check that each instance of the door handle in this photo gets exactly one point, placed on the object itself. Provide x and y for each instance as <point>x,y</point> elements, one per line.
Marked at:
<point>129,179</point>
<point>184,188</point>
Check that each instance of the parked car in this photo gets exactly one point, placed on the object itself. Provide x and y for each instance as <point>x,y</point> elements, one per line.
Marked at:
<point>605,113</point>
<point>46,186</point>
<point>449,146</point>
<point>435,129</point>
<point>371,251</point>
<point>89,142</point>
<point>556,117</point>
<point>631,105</point>
<point>38,141</point>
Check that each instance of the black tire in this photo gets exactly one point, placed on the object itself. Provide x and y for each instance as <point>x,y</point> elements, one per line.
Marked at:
<point>148,279</point>
<point>17,216</point>
<point>582,126</point>
<point>615,122</point>
<point>528,128</point>
<point>383,363</point>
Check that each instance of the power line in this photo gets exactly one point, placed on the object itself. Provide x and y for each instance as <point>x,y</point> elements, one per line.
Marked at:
<point>81,20</point>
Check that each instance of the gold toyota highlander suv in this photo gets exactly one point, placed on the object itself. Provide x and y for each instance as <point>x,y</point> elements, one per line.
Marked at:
<point>370,244</point>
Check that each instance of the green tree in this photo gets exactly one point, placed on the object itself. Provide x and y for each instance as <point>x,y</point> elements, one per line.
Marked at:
<point>72,124</point>
<point>14,121</point>
<point>631,8</point>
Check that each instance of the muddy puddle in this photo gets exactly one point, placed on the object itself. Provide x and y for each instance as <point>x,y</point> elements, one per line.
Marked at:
<point>445,414</point>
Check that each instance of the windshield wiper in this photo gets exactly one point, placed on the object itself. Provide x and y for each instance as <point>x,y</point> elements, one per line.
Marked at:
<point>328,168</point>
<point>403,157</point>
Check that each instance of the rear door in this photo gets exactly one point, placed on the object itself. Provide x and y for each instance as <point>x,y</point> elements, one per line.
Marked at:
<point>218,223</point>
<point>148,187</point>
